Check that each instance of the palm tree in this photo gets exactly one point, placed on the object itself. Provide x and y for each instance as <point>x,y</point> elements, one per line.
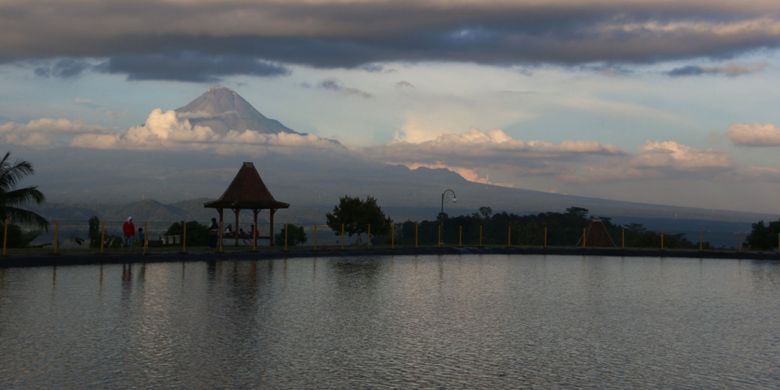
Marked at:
<point>12,198</point>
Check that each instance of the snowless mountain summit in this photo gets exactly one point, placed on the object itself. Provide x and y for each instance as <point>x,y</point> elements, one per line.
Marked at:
<point>222,109</point>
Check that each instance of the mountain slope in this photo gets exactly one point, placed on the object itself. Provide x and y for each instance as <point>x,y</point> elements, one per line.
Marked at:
<point>308,176</point>
<point>222,109</point>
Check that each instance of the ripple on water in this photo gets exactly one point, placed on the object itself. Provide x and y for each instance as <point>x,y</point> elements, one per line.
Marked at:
<point>448,321</point>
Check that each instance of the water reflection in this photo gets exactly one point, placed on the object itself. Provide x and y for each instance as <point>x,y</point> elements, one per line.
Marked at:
<point>212,270</point>
<point>443,321</point>
<point>360,267</point>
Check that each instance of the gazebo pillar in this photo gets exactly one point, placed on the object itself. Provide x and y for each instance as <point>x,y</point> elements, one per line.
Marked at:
<point>256,230</point>
<point>271,233</point>
<point>235,229</point>
<point>221,231</point>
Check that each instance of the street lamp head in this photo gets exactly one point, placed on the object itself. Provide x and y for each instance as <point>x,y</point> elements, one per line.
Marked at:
<point>454,199</point>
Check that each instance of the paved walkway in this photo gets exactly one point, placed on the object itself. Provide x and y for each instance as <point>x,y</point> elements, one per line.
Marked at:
<point>203,254</point>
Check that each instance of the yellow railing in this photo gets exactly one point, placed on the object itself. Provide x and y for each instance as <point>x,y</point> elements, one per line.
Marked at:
<point>322,237</point>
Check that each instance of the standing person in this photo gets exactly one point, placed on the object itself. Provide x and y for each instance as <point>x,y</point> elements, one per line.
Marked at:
<point>141,236</point>
<point>128,231</point>
<point>213,233</point>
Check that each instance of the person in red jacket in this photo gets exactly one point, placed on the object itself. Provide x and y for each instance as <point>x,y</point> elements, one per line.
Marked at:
<point>128,231</point>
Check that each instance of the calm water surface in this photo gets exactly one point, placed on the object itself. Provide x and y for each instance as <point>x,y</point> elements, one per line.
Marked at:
<point>438,321</point>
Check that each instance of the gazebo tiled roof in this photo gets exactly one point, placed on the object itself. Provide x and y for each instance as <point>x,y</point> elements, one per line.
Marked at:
<point>247,191</point>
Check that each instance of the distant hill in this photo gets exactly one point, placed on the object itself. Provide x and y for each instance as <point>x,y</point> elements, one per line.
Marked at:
<point>114,184</point>
<point>73,218</point>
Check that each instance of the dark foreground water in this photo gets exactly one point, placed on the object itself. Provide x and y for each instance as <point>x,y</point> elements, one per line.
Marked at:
<point>449,321</point>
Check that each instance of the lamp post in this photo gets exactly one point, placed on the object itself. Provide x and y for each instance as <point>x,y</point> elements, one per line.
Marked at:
<point>443,194</point>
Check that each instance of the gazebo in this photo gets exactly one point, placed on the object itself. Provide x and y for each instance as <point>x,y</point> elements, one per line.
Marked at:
<point>247,192</point>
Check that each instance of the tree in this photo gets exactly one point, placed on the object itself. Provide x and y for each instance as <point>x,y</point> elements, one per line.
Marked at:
<point>763,236</point>
<point>295,236</point>
<point>356,215</point>
<point>563,229</point>
<point>12,199</point>
<point>94,232</point>
<point>197,233</point>
<point>577,212</point>
<point>18,238</point>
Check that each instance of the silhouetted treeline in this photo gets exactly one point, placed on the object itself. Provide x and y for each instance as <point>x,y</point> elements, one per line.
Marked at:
<point>197,233</point>
<point>763,236</point>
<point>563,229</point>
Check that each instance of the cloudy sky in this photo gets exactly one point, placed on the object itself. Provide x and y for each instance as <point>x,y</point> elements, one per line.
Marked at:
<point>654,101</point>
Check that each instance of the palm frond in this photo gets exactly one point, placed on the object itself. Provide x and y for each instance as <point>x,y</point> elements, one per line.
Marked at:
<point>24,217</point>
<point>20,196</point>
<point>11,198</point>
<point>11,173</point>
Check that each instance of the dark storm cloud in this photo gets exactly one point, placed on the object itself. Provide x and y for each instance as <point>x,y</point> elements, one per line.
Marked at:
<point>66,68</point>
<point>731,70</point>
<point>689,70</point>
<point>228,36</point>
<point>335,86</point>
<point>189,66</point>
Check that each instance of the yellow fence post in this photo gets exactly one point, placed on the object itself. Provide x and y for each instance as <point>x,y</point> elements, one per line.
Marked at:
<point>778,242</point>
<point>146,237</point>
<point>102,239</point>
<point>584,237</point>
<point>184,236</point>
<point>622,238</point>
<point>5,237</point>
<point>460,236</point>
<point>221,235</point>
<point>285,236</point>
<point>254,237</point>
<point>438,240</point>
<point>545,237</point>
<point>662,241</point>
<point>392,236</point>
<point>416,235</point>
<point>56,242</point>
<point>480,234</point>
<point>369,235</point>
<point>314,237</point>
<point>508,236</point>
<point>341,239</point>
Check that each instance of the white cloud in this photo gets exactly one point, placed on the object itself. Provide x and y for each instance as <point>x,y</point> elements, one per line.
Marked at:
<point>466,173</point>
<point>164,127</point>
<point>495,157</point>
<point>170,130</point>
<point>493,145</point>
<point>676,156</point>
<point>44,131</point>
<point>430,118</point>
<point>96,141</point>
<point>754,134</point>
<point>492,156</point>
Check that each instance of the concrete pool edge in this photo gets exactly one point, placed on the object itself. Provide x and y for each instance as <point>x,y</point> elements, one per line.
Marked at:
<point>40,260</point>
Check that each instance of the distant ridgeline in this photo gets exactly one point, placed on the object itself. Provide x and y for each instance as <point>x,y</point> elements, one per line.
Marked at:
<point>563,229</point>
